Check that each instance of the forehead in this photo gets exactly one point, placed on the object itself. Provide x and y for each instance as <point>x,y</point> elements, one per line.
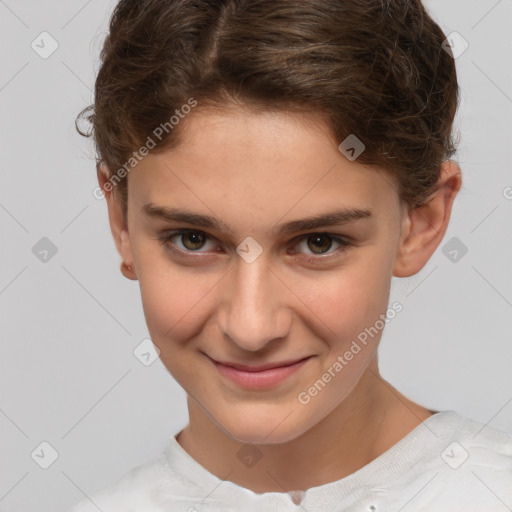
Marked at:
<point>263,162</point>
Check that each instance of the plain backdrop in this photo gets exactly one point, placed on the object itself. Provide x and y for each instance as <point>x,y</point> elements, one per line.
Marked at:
<point>70,322</point>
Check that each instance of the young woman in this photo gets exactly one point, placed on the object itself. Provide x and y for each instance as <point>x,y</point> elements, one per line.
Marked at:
<point>269,166</point>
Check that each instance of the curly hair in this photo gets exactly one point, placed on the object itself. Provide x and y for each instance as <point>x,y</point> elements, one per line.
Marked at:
<point>374,68</point>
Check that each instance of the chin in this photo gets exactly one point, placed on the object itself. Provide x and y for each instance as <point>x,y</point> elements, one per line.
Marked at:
<point>263,426</point>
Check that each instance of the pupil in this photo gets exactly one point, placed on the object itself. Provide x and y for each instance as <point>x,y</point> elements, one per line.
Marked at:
<point>193,236</point>
<point>317,241</point>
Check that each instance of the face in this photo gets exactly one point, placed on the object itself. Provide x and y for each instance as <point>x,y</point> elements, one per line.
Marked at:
<point>254,285</point>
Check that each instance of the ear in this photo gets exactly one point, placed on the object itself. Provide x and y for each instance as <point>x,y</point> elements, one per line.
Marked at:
<point>424,226</point>
<point>118,225</point>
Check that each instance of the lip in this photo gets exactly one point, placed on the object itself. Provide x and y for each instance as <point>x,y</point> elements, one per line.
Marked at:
<point>259,377</point>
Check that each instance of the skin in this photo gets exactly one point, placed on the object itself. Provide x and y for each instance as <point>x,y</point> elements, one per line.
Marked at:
<point>255,170</point>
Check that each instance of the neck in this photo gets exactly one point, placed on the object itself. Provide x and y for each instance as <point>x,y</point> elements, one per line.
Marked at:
<point>373,418</point>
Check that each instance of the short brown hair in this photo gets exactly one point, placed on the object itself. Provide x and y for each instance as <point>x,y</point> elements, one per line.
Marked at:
<point>373,68</point>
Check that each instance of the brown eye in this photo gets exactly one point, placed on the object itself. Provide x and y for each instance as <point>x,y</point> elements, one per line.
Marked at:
<point>319,248</point>
<point>315,247</point>
<point>197,240</point>
<point>319,243</point>
<point>185,241</point>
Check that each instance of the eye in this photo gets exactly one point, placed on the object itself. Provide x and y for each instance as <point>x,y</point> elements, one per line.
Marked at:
<point>191,241</point>
<point>320,243</point>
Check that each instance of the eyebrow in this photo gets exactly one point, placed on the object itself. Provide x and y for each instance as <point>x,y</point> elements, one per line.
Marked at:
<point>333,218</point>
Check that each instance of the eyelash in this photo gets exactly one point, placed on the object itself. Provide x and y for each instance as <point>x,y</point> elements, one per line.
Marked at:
<point>165,240</point>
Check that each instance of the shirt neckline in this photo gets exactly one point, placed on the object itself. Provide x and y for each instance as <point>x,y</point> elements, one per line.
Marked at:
<point>426,438</point>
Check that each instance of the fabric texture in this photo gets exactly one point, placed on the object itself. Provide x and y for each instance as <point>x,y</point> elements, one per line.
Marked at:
<point>448,463</point>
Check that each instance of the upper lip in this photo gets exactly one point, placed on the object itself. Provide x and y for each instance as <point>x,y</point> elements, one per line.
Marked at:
<point>259,368</point>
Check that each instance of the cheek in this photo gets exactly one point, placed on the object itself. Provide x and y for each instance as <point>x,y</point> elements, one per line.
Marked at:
<point>173,303</point>
<point>348,301</point>
<point>336,304</point>
<point>170,296</point>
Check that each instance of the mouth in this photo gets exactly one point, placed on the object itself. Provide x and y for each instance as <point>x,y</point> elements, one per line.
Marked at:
<point>259,377</point>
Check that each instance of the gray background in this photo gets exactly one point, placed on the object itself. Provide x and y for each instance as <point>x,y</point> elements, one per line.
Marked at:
<point>69,326</point>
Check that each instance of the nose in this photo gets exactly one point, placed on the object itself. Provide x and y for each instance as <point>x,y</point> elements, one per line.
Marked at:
<point>255,309</point>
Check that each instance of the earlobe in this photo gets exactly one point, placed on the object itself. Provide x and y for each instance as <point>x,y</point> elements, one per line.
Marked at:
<point>127,267</point>
<point>425,226</point>
<point>118,225</point>
<point>128,272</point>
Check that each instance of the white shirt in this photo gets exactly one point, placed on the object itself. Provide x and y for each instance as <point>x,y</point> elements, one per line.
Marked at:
<point>448,463</point>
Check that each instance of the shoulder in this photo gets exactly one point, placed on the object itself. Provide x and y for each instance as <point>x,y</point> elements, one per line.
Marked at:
<point>484,445</point>
<point>473,468</point>
<point>138,489</point>
<point>173,479</point>
<point>465,442</point>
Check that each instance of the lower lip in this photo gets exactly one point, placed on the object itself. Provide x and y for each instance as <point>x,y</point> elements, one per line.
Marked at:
<point>259,380</point>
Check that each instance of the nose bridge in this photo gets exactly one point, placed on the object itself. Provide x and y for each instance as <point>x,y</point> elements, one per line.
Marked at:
<point>255,314</point>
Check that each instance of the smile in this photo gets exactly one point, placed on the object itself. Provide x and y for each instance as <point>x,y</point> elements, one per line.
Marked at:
<point>262,377</point>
